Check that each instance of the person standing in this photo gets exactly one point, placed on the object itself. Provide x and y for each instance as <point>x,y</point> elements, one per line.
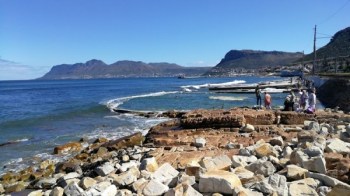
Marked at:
<point>258,96</point>
<point>312,100</point>
<point>267,100</point>
<point>303,100</point>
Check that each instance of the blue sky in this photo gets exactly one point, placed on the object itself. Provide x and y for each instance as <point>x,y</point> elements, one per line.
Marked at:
<point>38,34</point>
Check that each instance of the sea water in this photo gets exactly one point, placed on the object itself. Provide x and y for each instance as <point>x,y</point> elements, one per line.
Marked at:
<point>37,115</point>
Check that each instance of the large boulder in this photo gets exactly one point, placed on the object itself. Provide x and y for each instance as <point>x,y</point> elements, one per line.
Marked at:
<point>338,146</point>
<point>222,162</point>
<point>126,178</point>
<point>105,169</point>
<point>73,189</point>
<point>295,172</point>
<point>218,182</point>
<point>149,164</point>
<point>296,189</point>
<point>265,168</point>
<point>154,187</point>
<point>165,174</point>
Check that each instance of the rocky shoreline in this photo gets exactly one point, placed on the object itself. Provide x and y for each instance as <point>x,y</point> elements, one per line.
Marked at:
<point>204,152</point>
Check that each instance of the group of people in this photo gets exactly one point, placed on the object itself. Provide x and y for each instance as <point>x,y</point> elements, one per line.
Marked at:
<point>302,102</point>
<point>267,98</point>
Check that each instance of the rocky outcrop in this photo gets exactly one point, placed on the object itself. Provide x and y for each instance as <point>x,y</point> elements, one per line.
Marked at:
<point>269,159</point>
<point>335,93</point>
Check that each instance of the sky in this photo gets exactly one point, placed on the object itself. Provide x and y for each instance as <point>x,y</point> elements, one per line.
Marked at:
<point>38,34</point>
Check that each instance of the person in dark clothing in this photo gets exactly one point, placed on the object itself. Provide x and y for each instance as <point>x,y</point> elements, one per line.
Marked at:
<point>258,95</point>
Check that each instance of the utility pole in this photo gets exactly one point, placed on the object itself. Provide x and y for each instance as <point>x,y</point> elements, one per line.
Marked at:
<point>314,62</point>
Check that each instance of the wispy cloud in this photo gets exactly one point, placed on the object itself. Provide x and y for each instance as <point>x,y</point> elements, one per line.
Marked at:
<point>10,70</point>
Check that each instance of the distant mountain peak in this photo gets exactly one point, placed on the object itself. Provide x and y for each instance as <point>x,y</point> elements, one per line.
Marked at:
<point>252,59</point>
<point>98,69</point>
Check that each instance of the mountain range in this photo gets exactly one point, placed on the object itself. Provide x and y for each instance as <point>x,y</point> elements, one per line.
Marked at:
<point>252,59</point>
<point>339,45</point>
<point>98,69</point>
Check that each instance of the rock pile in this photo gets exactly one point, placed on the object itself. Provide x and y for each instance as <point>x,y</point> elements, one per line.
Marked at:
<point>308,158</point>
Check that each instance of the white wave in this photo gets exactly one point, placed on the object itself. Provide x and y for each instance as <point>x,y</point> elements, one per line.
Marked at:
<point>207,85</point>
<point>273,90</point>
<point>227,98</point>
<point>114,103</point>
<point>21,140</point>
<point>228,83</point>
<point>186,90</point>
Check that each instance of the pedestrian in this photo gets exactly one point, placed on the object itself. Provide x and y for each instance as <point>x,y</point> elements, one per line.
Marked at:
<point>312,101</point>
<point>303,100</point>
<point>292,100</point>
<point>267,100</point>
<point>258,96</point>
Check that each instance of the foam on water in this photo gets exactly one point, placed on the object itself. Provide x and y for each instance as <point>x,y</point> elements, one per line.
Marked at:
<point>207,85</point>
<point>227,98</point>
<point>114,103</point>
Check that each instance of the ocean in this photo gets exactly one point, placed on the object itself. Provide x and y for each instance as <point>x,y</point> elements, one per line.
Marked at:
<point>37,115</point>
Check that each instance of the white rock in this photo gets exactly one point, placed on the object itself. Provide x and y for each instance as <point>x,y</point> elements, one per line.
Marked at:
<point>199,142</point>
<point>36,193</point>
<point>92,192</point>
<point>57,191</point>
<point>300,190</point>
<point>2,190</point>
<point>279,183</point>
<point>218,182</point>
<point>313,126</point>
<point>149,164</point>
<point>265,168</point>
<point>73,189</point>
<point>313,183</point>
<point>295,172</point>
<point>326,180</point>
<point>165,174</point>
<point>87,182</point>
<point>317,164</point>
<point>238,160</point>
<point>338,146</point>
<point>127,178</point>
<point>242,173</point>
<point>287,151</point>
<point>264,187</point>
<point>323,190</point>
<point>125,166</point>
<point>154,187</point>
<point>47,192</point>
<point>248,128</point>
<point>241,191</point>
<point>124,192</point>
<point>102,186</point>
<point>182,189</point>
<point>46,183</point>
<point>186,179</point>
<point>222,162</point>
<point>70,176</point>
<point>105,169</point>
<point>109,191</point>
<point>139,185</point>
